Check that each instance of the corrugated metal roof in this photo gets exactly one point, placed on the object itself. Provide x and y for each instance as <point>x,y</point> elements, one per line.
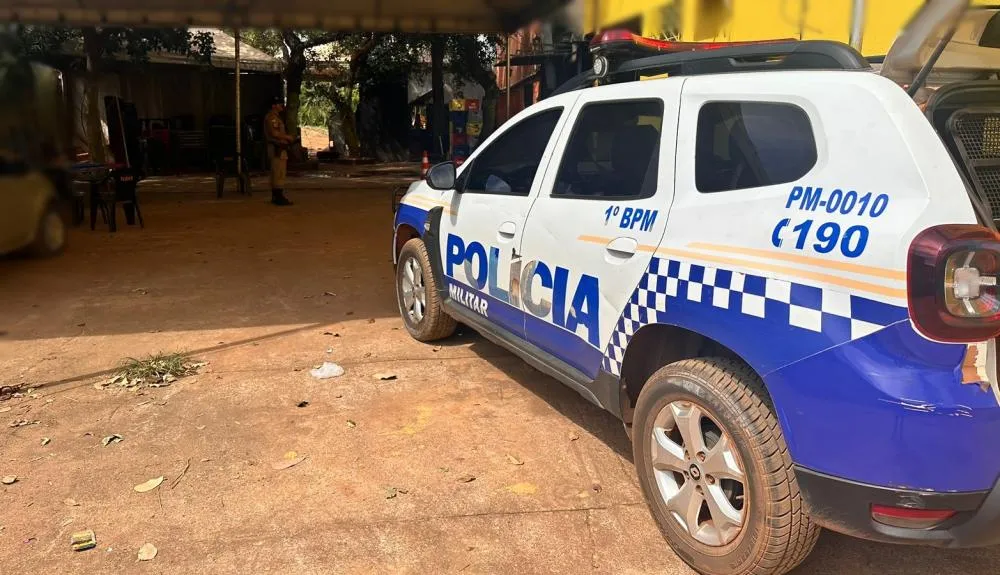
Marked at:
<point>374,15</point>
<point>251,59</point>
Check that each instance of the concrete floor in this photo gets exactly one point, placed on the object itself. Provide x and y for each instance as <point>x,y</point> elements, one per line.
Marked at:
<point>242,285</point>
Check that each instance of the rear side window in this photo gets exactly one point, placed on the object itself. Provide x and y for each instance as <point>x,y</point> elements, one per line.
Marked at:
<point>743,145</point>
<point>613,151</point>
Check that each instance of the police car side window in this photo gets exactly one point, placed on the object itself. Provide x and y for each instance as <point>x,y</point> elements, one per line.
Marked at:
<point>509,164</point>
<point>743,145</point>
<point>613,152</point>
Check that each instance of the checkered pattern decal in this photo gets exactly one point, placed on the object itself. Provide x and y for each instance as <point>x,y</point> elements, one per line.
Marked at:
<point>842,316</point>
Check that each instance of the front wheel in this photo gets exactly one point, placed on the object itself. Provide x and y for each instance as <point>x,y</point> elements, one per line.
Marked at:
<point>716,473</point>
<point>418,296</point>
<point>50,237</point>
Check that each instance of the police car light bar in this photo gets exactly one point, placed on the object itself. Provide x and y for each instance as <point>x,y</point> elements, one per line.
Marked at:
<point>617,39</point>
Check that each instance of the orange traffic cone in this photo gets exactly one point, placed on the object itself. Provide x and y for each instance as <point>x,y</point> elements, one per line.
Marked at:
<point>425,164</point>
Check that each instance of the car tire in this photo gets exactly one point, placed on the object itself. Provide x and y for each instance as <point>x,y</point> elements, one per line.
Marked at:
<point>418,296</point>
<point>722,465</point>
<point>50,236</point>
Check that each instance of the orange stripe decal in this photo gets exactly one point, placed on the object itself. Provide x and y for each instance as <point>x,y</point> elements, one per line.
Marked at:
<point>806,260</point>
<point>816,276</point>
<point>767,267</point>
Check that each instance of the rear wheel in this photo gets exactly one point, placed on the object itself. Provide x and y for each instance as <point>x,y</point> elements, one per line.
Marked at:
<point>418,296</point>
<point>716,473</point>
<point>50,237</point>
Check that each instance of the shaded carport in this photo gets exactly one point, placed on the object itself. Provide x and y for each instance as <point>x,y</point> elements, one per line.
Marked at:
<point>371,15</point>
<point>447,16</point>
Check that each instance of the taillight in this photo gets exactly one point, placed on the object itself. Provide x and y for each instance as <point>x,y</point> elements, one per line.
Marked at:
<point>952,283</point>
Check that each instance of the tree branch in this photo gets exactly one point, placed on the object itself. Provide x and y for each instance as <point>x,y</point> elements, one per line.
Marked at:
<point>320,40</point>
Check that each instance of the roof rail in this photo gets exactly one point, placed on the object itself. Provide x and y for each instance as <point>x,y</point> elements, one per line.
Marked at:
<point>770,56</point>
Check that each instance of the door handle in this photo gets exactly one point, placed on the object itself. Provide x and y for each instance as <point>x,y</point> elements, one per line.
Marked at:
<point>507,231</point>
<point>622,248</point>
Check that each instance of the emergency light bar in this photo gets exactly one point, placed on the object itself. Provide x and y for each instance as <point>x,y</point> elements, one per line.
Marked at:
<point>624,40</point>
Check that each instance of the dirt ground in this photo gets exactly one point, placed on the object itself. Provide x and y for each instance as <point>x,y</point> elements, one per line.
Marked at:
<point>264,294</point>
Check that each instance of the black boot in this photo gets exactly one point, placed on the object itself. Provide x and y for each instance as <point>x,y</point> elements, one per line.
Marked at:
<point>278,198</point>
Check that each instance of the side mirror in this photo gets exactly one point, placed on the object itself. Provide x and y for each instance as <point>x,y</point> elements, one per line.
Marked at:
<point>441,176</point>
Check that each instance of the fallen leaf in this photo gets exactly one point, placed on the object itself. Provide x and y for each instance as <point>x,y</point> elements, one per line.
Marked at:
<point>46,441</point>
<point>149,485</point>
<point>205,459</point>
<point>513,460</point>
<point>327,333</point>
<point>338,396</point>
<point>597,488</point>
<point>23,422</point>
<point>83,540</point>
<point>9,479</point>
<point>113,438</point>
<point>351,424</point>
<point>303,404</point>
<point>385,376</point>
<point>391,492</point>
<point>466,478</point>
<point>444,469</point>
<point>140,291</point>
<point>147,552</point>
<point>523,488</point>
<point>286,463</point>
<point>200,427</point>
<point>70,502</point>
<point>436,348</point>
<point>573,436</point>
<point>371,320</point>
<point>291,454</point>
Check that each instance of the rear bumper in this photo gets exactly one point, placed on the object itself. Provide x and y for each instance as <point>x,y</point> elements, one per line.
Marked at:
<point>845,506</point>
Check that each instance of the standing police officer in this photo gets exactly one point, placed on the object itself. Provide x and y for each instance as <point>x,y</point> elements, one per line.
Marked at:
<point>277,150</point>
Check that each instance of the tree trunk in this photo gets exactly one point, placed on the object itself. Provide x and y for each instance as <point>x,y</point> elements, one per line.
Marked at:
<point>93,45</point>
<point>294,73</point>
<point>342,103</point>
<point>489,109</point>
<point>439,111</point>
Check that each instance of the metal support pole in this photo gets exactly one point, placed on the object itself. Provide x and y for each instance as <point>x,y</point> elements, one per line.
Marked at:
<point>239,115</point>
<point>507,77</point>
<point>857,23</point>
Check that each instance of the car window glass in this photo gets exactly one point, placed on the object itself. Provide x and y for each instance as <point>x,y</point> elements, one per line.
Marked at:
<point>508,165</point>
<point>744,145</point>
<point>613,151</point>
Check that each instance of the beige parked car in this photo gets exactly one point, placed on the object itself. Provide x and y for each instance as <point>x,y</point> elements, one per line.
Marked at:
<point>33,175</point>
<point>30,218</point>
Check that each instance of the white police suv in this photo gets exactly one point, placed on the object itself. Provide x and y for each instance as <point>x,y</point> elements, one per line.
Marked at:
<point>776,266</point>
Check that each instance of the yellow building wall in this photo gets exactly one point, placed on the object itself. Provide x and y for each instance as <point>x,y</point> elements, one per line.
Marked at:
<point>736,20</point>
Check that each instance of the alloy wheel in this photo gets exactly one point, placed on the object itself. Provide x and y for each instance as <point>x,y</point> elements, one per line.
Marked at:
<point>698,474</point>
